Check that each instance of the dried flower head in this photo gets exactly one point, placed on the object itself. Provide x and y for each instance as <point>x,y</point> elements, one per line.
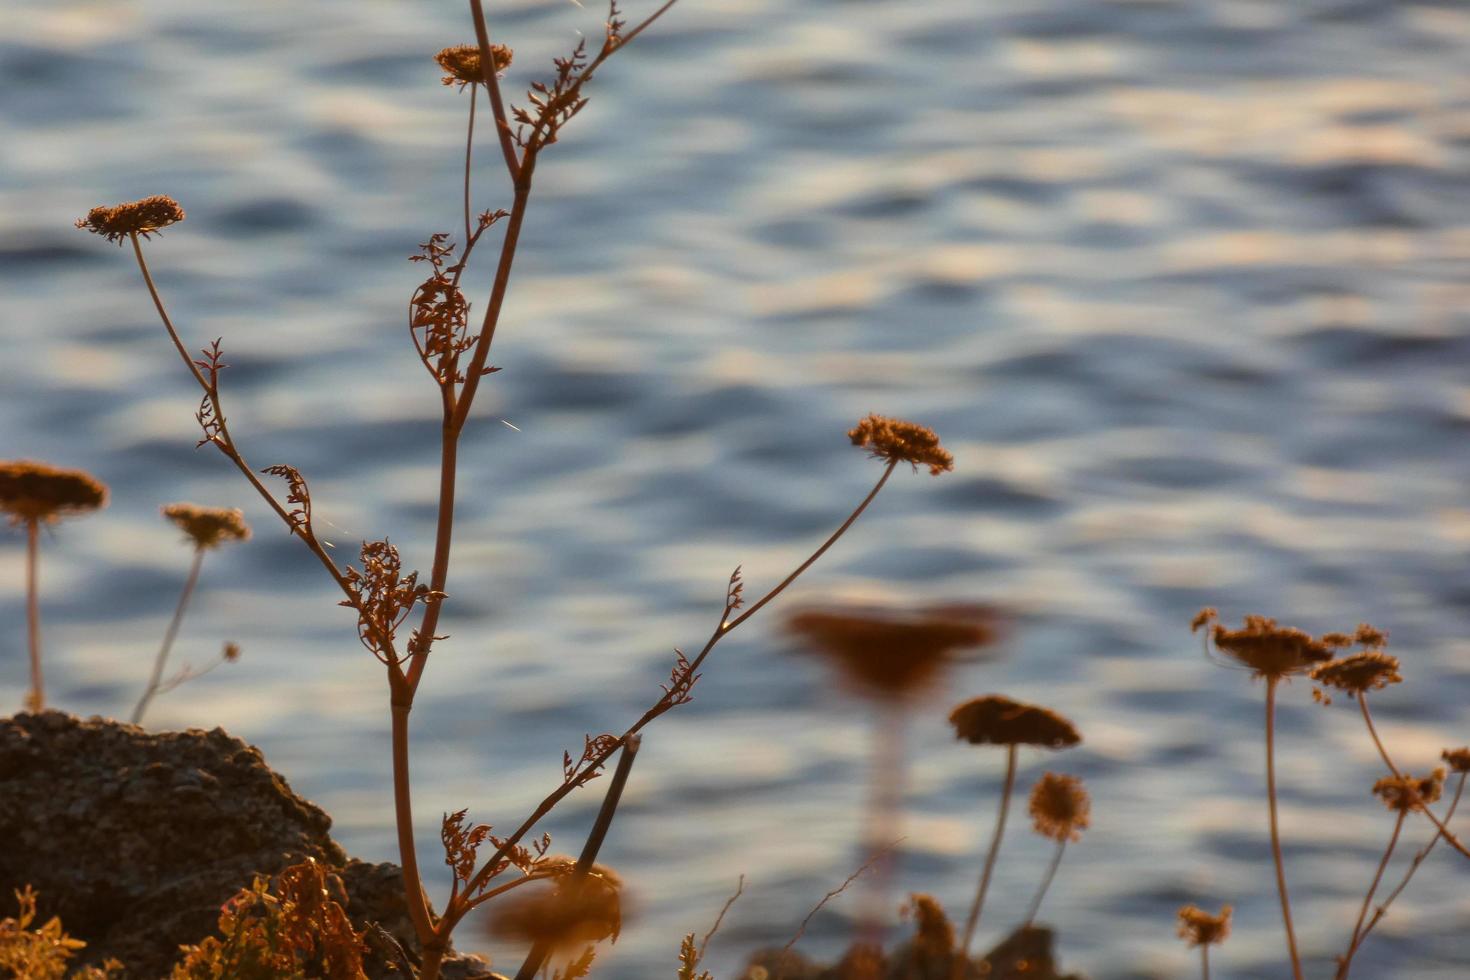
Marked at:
<point>208,527</point>
<point>230,652</point>
<point>1200,928</point>
<point>1369,637</point>
<point>1060,808</point>
<point>461,63</point>
<point>33,491</point>
<point>894,440</point>
<point>862,961</point>
<point>1458,759</point>
<point>998,720</point>
<point>1269,650</point>
<point>577,912</point>
<point>1360,673</point>
<point>888,653</point>
<point>1406,793</point>
<point>933,935</point>
<point>133,218</point>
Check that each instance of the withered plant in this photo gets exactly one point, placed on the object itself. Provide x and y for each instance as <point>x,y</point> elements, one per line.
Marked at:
<point>206,528</point>
<point>1199,928</point>
<point>455,352</point>
<point>34,494</point>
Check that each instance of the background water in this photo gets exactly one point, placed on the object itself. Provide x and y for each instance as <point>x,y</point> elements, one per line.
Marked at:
<point>1181,284</point>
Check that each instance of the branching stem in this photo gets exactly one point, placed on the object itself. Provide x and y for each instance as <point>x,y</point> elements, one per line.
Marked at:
<point>168,638</point>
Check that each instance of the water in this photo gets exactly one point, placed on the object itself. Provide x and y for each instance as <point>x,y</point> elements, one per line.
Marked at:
<point>1181,284</point>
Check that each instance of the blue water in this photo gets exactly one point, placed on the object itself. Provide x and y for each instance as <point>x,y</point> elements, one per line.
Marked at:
<point>1181,284</point>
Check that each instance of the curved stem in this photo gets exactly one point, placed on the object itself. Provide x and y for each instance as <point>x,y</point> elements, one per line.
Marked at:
<point>973,919</point>
<point>1051,872</point>
<point>1357,938</point>
<point>168,638</point>
<point>1419,858</point>
<point>1383,753</point>
<point>1296,963</point>
<point>36,699</point>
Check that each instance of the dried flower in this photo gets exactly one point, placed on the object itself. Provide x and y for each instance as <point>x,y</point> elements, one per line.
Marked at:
<point>934,935</point>
<point>1060,808</point>
<point>891,653</point>
<point>33,491</point>
<point>1200,928</point>
<point>1204,617</point>
<point>894,440</point>
<point>1269,650</point>
<point>998,720</point>
<point>1459,759</point>
<point>461,63</point>
<point>133,218</point>
<point>1360,673</point>
<point>209,527</point>
<point>577,912</point>
<point>1369,637</point>
<point>231,652</point>
<point>1406,793</point>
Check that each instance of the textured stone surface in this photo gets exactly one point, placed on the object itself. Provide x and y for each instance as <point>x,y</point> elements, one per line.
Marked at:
<point>136,839</point>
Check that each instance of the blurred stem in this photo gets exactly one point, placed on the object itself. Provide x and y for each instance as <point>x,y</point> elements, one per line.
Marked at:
<point>1357,938</point>
<point>1383,753</point>
<point>36,700</point>
<point>883,818</point>
<point>168,638</point>
<point>973,919</point>
<point>1204,961</point>
<point>1296,963</point>
<point>1051,872</point>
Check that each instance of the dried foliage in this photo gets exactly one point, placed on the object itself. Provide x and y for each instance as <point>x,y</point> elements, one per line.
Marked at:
<point>383,596</point>
<point>292,930</point>
<point>143,218</point>
<point>1199,928</point>
<point>462,64</point>
<point>41,952</point>
<point>1457,759</point>
<point>296,493</point>
<point>895,440</point>
<point>35,491</point>
<point>1406,793</point>
<point>1267,649</point>
<point>208,527</point>
<point>997,720</point>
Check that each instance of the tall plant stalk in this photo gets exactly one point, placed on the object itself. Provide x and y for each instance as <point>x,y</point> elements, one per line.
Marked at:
<point>973,919</point>
<point>1346,960</point>
<point>1051,872</point>
<point>36,699</point>
<point>1296,963</point>
<point>161,658</point>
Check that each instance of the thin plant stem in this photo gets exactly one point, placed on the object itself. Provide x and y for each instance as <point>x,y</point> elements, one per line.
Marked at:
<point>1204,961</point>
<point>492,85</point>
<point>1383,753</point>
<point>1051,872</point>
<point>541,949</point>
<point>973,919</point>
<point>1296,963</point>
<point>418,904</point>
<point>1357,938</point>
<point>883,819</point>
<point>36,700</point>
<point>1419,858</point>
<point>169,634</point>
<point>469,149</point>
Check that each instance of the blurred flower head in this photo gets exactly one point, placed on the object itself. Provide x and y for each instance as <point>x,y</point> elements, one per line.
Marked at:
<point>1200,928</point>
<point>574,913</point>
<point>1269,650</point>
<point>133,218</point>
<point>1458,759</point>
<point>1407,793</point>
<point>1360,673</point>
<point>34,491</point>
<point>1060,808</point>
<point>997,720</point>
<point>208,527</point>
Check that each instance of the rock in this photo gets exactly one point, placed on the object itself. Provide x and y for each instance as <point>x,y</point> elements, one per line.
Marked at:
<point>135,839</point>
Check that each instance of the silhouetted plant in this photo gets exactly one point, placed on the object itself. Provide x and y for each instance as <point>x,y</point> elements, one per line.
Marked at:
<point>33,494</point>
<point>206,528</point>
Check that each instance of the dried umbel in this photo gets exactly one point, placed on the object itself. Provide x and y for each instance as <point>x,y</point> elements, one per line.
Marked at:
<point>208,527</point>
<point>1458,759</point>
<point>933,935</point>
<point>889,653</point>
<point>461,63</point>
<point>897,441</point>
<point>1269,650</point>
<point>1199,928</point>
<point>577,912</point>
<point>1060,807</point>
<point>33,491</point>
<point>1360,673</point>
<point>1406,793</point>
<point>997,720</point>
<point>133,218</point>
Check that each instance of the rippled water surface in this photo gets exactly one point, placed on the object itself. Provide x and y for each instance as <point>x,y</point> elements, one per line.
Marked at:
<point>1181,284</point>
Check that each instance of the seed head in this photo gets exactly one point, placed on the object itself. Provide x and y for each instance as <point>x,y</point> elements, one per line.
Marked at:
<point>1458,759</point>
<point>998,720</point>
<point>1060,807</point>
<point>1406,793</point>
<point>1269,650</point>
<point>894,439</point>
<point>1360,673</point>
<point>208,527</point>
<point>888,653</point>
<point>461,63</point>
<point>34,491</point>
<point>231,652</point>
<point>1369,637</point>
<point>934,935</point>
<point>133,218</point>
<point>1199,928</point>
<point>573,914</point>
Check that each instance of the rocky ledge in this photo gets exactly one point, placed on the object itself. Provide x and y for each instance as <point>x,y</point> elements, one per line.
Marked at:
<point>135,839</point>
